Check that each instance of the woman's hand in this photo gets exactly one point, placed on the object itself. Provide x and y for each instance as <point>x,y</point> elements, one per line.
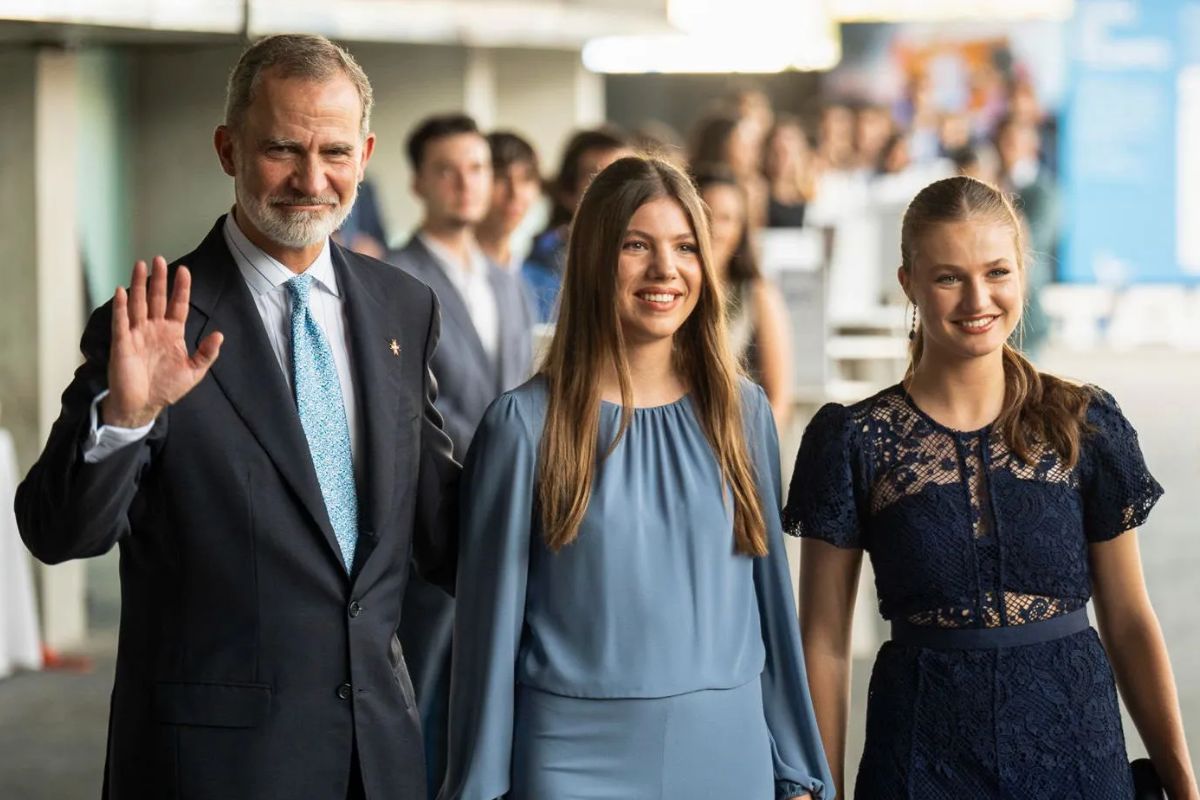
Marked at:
<point>1131,634</point>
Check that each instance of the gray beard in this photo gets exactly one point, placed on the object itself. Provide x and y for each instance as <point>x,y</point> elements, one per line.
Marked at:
<point>292,229</point>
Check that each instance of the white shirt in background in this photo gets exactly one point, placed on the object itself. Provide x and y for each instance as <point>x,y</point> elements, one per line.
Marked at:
<point>471,281</point>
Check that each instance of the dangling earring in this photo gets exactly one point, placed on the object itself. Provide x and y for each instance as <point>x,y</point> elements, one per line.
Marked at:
<point>912,330</point>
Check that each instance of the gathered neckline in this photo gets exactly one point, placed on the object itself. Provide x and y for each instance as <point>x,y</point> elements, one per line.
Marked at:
<point>680,401</point>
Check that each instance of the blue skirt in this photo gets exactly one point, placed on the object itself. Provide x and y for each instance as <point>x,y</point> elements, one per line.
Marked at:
<point>711,743</point>
<point>995,714</point>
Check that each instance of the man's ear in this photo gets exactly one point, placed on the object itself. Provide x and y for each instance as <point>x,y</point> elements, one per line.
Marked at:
<point>223,143</point>
<point>368,147</point>
<point>415,185</point>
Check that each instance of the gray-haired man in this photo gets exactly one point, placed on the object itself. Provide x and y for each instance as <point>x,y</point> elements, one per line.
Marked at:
<point>257,433</point>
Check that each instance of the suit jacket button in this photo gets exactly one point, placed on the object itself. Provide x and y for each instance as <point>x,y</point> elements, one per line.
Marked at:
<point>343,691</point>
<point>355,609</point>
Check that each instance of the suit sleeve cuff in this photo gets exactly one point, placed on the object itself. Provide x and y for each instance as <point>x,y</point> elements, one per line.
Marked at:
<point>104,440</point>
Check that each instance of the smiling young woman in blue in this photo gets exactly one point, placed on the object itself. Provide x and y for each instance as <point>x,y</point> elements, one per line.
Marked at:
<point>625,618</point>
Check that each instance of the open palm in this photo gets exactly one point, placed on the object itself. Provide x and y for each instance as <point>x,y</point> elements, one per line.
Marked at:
<point>149,367</point>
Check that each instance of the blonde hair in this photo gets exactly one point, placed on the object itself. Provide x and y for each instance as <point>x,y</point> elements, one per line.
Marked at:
<point>1039,408</point>
<point>588,339</point>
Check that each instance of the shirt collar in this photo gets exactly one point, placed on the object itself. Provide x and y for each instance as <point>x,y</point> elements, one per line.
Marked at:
<point>264,273</point>
<point>449,262</point>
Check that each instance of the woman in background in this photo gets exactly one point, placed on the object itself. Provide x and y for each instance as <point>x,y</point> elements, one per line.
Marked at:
<point>586,154</point>
<point>625,623</point>
<point>755,314</point>
<point>788,165</point>
<point>994,501</point>
<point>730,142</point>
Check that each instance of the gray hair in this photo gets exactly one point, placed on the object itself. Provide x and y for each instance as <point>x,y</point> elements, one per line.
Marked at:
<point>293,55</point>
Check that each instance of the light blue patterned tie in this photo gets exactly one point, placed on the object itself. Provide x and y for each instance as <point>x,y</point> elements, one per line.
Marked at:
<point>323,417</point>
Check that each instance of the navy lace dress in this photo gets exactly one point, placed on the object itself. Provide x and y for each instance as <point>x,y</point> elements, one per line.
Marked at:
<point>993,685</point>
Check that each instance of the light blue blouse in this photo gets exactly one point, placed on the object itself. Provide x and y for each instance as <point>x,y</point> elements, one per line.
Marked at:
<point>650,600</point>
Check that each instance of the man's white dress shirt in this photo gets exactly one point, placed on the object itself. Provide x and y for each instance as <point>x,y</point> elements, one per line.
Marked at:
<point>265,276</point>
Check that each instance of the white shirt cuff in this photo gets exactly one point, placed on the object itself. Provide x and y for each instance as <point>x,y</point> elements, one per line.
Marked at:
<point>104,440</point>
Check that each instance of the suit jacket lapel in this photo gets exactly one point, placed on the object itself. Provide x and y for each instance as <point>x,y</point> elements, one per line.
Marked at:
<point>453,305</point>
<point>247,372</point>
<point>379,387</point>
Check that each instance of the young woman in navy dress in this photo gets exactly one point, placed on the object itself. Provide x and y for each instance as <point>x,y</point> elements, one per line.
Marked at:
<point>994,501</point>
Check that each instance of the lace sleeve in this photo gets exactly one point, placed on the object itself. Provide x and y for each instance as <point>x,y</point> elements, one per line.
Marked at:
<point>1118,489</point>
<point>821,499</point>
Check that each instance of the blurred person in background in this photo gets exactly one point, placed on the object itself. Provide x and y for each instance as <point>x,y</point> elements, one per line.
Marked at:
<point>988,87</point>
<point>363,230</point>
<point>754,106</point>
<point>266,502</point>
<point>1021,172</point>
<point>979,161</point>
<point>485,348</point>
<point>994,501</point>
<point>873,130</point>
<point>733,142</point>
<point>954,133</point>
<point>899,176</point>
<point>724,138</point>
<point>1019,146</point>
<point>835,140</point>
<point>516,186</point>
<point>788,164</point>
<point>895,155</point>
<point>756,318</point>
<point>922,120</point>
<point>626,627</point>
<point>841,196</point>
<point>485,344</point>
<point>1023,103</point>
<point>1024,106</point>
<point>659,139</point>
<point>586,154</point>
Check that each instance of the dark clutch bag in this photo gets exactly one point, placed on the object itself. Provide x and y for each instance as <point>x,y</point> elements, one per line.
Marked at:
<point>1146,783</point>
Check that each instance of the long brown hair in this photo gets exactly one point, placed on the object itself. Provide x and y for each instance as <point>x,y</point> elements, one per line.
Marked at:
<point>1039,408</point>
<point>588,339</point>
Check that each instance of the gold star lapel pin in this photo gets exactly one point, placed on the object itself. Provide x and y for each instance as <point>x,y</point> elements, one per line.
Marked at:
<point>394,346</point>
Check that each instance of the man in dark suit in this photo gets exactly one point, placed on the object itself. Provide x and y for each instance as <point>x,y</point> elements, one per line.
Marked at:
<point>485,349</point>
<point>266,502</point>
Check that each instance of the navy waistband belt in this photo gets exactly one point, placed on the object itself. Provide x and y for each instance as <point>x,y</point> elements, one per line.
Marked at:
<point>906,633</point>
